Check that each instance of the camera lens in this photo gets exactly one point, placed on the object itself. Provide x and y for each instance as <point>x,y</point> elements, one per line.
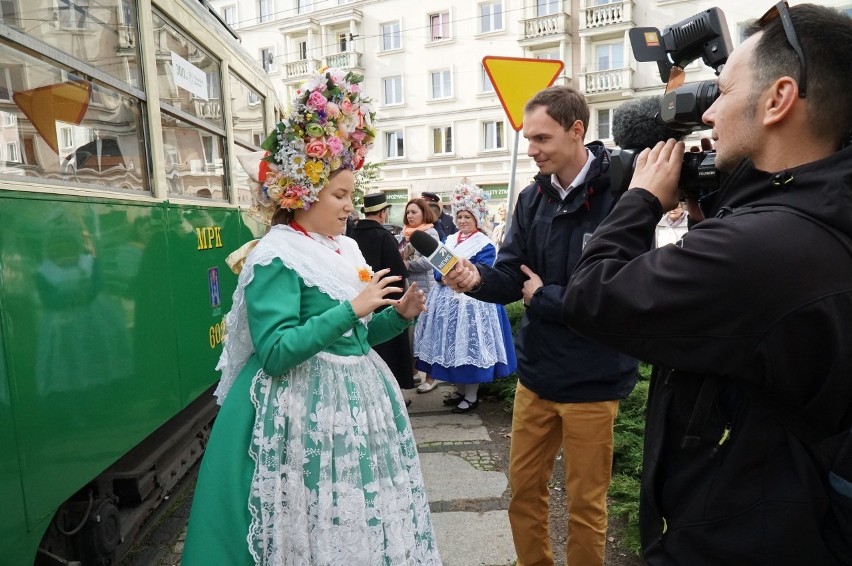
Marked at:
<point>681,109</point>
<point>705,95</point>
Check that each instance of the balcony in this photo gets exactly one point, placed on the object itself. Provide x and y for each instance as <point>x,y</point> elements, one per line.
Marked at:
<point>613,80</point>
<point>298,70</point>
<point>547,26</point>
<point>348,60</point>
<point>601,15</point>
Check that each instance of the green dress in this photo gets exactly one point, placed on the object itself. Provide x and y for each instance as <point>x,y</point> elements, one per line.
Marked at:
<point>311,460</point>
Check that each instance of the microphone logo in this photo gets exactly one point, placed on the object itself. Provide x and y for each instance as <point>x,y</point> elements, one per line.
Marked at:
<point>443,260</point>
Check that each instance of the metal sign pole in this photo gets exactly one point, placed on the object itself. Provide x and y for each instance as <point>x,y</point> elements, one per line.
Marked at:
<point>510,205</point>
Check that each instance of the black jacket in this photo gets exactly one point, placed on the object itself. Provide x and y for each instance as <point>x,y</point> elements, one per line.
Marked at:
<point>754,307</point>
<point>379,248</point>
<point>547,234</point>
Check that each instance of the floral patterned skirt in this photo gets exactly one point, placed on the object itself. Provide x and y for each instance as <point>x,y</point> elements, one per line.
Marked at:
<point>337,478</point>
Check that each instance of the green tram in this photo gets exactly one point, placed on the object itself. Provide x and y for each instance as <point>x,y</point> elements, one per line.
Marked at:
<point>120,197</point>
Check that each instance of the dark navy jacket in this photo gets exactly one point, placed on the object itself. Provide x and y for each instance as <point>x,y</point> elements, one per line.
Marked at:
<point>547,235</point>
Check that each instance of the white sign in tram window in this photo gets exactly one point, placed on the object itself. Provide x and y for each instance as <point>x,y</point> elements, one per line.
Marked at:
<point>189,77</point>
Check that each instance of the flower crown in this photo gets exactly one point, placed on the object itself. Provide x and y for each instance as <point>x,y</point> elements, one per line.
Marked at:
<point>329,127</point>
<point>472,199</point>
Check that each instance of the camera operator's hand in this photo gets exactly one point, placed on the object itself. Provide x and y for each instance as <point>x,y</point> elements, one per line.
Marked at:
<point>658,172</point>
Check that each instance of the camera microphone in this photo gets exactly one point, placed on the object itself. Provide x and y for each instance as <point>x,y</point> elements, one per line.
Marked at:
<point>440,256</point>
<point>635,126</point>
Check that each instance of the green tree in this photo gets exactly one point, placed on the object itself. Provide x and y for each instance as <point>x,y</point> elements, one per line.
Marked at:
<point>364,180</point>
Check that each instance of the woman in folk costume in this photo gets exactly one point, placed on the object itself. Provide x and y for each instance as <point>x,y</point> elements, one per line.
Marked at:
<point>460,339</point>
<point>312,460</point>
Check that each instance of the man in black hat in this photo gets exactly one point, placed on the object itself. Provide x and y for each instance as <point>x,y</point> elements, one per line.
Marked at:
<point>379,248</point>
<point>444,224</point>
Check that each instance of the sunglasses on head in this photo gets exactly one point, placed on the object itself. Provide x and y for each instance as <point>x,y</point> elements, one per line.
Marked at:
<point>782,10</point>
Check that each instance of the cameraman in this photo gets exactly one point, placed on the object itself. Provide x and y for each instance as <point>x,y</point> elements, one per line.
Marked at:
<point>751,311</point>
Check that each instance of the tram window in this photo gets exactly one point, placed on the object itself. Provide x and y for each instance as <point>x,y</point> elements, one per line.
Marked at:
<point>249,115</point>
<point>194,167</point>
<point>63,136</point>
<point>102,34</point>
<point>190,77</point>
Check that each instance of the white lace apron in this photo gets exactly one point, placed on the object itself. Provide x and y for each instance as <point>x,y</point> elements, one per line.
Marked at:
<point>458,330</point>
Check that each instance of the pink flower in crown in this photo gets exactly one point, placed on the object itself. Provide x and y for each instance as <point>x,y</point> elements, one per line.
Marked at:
<point>355,89</point>
<point>317,101</point>
<point>332,110</point>
<point>316,147</point>
<point>357,136</point>
<point>346,106</point>
<point>335,146</point>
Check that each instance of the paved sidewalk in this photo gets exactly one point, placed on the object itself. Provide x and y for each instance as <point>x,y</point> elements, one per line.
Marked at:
<point>465,488</point>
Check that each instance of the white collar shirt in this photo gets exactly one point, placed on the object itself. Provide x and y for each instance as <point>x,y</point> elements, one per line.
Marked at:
<point>578,180</point>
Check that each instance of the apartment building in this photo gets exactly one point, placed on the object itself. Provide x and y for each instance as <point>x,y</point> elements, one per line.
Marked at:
<point>439,118</point>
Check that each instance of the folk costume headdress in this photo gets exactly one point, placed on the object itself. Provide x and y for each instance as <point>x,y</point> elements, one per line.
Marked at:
<point>330,126</point>
<point>470,197</point>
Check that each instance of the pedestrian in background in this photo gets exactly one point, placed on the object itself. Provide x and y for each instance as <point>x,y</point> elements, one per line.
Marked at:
<point>443,222</point>
<point>672,226</point>
<point>460,339</point>
<point>379,248</point>
<point>419,216</point>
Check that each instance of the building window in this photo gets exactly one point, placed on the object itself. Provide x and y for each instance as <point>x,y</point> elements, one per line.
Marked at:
<point>73,14</point>
<point>490,17</point>
<point>493,135</point>
<point>66,138</point>
<point>394,144</point>
<point>264,8</point>
<point>604,123</point>
<point>9,119</point>
<point>547,7</point>
<point>609,56</point>
<point>442,84</point>
<point>302,47</point>
<point>229,15</point>
<point>304,6</point>
<point>12,152</point>
<point>549,55</point>
<point>439,26</point>
<point>487,85</point>
<point>267,59</point>
<point>392,87</point>
<point>391,37</point>
<point>342,42</point>
<point>442,140</point>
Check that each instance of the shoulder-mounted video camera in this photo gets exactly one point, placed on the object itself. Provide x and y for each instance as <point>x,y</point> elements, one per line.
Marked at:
<point>703,35</point>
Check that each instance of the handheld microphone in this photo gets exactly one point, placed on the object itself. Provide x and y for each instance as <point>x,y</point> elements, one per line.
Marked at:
<point>441,258</point>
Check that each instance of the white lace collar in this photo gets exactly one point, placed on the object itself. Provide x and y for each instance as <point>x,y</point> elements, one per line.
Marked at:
<point>470,247</point>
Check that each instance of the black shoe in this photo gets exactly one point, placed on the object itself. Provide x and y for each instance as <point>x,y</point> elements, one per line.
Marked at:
<point>408,402</point>
<point>453,399</point>
<point>466,406</point>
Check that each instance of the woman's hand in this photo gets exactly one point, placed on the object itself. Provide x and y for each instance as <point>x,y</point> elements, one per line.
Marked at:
<point>375,294</point>
<point>412,303</point>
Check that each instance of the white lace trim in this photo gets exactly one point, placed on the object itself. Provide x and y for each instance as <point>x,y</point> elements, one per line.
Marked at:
<point>335,274</point>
